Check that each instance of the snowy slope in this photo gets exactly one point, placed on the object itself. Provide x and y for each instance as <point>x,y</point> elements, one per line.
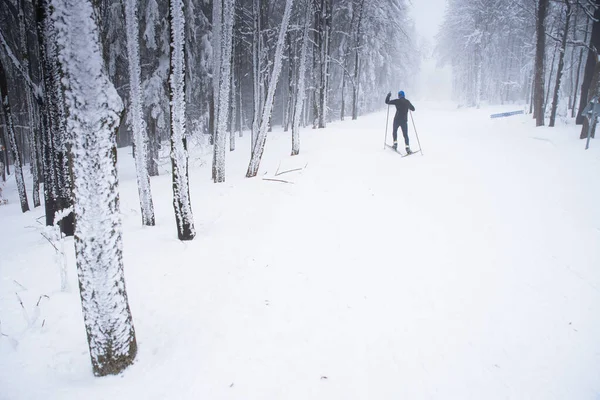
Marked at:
<point>469,272</point>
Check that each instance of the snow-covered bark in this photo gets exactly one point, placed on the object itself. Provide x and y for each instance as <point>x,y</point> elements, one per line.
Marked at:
<point>94,109</point>
<point>223,14</point>
<point>55,152</point>
<point>50,191</point>
<point>357,52</point>
<point>12,137</point>
<point>561,63</point>
<point>179,155</point>
<point>61,140</point>
<point>259,145</point>
<point>29,105</point>
<point>300,94</point>
<point>322,59</point>
<point>256,69</point>
<point>138,125</point>
<point>540,51</point>
<point>232,108</point>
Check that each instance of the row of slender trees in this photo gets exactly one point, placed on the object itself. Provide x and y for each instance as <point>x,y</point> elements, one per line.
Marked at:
<point>510,50</point>
<point>77,77</point>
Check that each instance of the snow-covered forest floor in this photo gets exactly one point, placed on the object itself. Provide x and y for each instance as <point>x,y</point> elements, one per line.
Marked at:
<point>469,272</point>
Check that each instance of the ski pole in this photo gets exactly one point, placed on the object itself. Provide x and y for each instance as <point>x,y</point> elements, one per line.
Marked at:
<point>416,134</point>
<point>387,120</point>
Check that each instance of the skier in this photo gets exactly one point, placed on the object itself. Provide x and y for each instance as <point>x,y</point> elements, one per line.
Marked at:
<point>400,119</point>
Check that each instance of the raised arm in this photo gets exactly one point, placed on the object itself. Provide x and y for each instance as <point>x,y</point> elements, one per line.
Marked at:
<point>387,98</point>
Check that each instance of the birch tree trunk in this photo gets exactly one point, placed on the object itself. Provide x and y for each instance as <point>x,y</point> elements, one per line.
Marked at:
<point>93,116</point>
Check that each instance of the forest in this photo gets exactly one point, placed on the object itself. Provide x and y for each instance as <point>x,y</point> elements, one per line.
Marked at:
<point>81,78</point>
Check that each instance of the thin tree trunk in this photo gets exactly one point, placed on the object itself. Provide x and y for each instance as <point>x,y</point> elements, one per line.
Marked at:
<point>262,134</point>
<point>232,101</point>
<point>357,48</point>
<point>561,63</point>
<point>549,82</point>
<point>590,64</point>
<point>256,69</point>
<point>12,135</point>
<point>542,11</point>
<point>138,125</point>
<point>578,72</point>
<point>301,91</point>
<point>223,26</point>
<point>179,156</point>
<point>30,112</point>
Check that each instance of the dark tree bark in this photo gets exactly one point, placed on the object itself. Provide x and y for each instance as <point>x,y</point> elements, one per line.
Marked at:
<point>179,157</point>
<point>578,71</point>
<point>23,28</point>
<point>12,135</point>
<point>590,64</point>
<point>542,12</point>
<point>357,46</point>
<point>322,53</point>
<point>561,63</point>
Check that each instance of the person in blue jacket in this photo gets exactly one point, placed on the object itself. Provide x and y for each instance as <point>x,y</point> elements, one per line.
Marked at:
<point>401,118</point>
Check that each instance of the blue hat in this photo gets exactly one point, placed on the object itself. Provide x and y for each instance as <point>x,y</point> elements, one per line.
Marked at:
<point>401,93</point>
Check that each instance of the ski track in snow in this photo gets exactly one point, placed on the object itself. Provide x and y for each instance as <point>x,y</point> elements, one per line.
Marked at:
<point>469,272</point>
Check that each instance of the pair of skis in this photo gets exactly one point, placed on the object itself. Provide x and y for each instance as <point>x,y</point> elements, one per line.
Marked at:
<point>402,154</point>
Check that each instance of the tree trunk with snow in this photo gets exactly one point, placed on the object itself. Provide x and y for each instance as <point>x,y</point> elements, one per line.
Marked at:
<point>12,137</point>
<point>301,88</point>
<point>561,63</point>
<point>55,157</point>
<point>357,48</point>
<point>232,101</point>
<point>94,108</point>
<point>29,104</point>
<point>323,49</point>
<point>590,66</point>
<point>259,145</point>
<point>179,156</point>
<point>256,69</point>
<point>540,51</point>
<point>223,15</point>
<point>138,125</point>
<point>50,184</point>
<point>288,100</point>
<point>578,71</point>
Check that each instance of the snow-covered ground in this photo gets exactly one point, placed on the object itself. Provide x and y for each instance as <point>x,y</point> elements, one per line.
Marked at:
<point>471,272</point>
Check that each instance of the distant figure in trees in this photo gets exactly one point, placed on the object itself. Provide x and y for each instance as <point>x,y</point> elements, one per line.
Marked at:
<point>401,118</point>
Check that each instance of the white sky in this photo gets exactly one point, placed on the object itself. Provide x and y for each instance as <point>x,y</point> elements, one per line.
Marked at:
<point>428,15</point>
<point>432,82</point>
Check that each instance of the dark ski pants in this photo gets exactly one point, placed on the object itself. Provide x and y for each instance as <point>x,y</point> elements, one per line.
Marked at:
<point>404,126</point>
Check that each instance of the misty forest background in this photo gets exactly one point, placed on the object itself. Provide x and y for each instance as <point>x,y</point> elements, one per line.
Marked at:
<point>79,78</point>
